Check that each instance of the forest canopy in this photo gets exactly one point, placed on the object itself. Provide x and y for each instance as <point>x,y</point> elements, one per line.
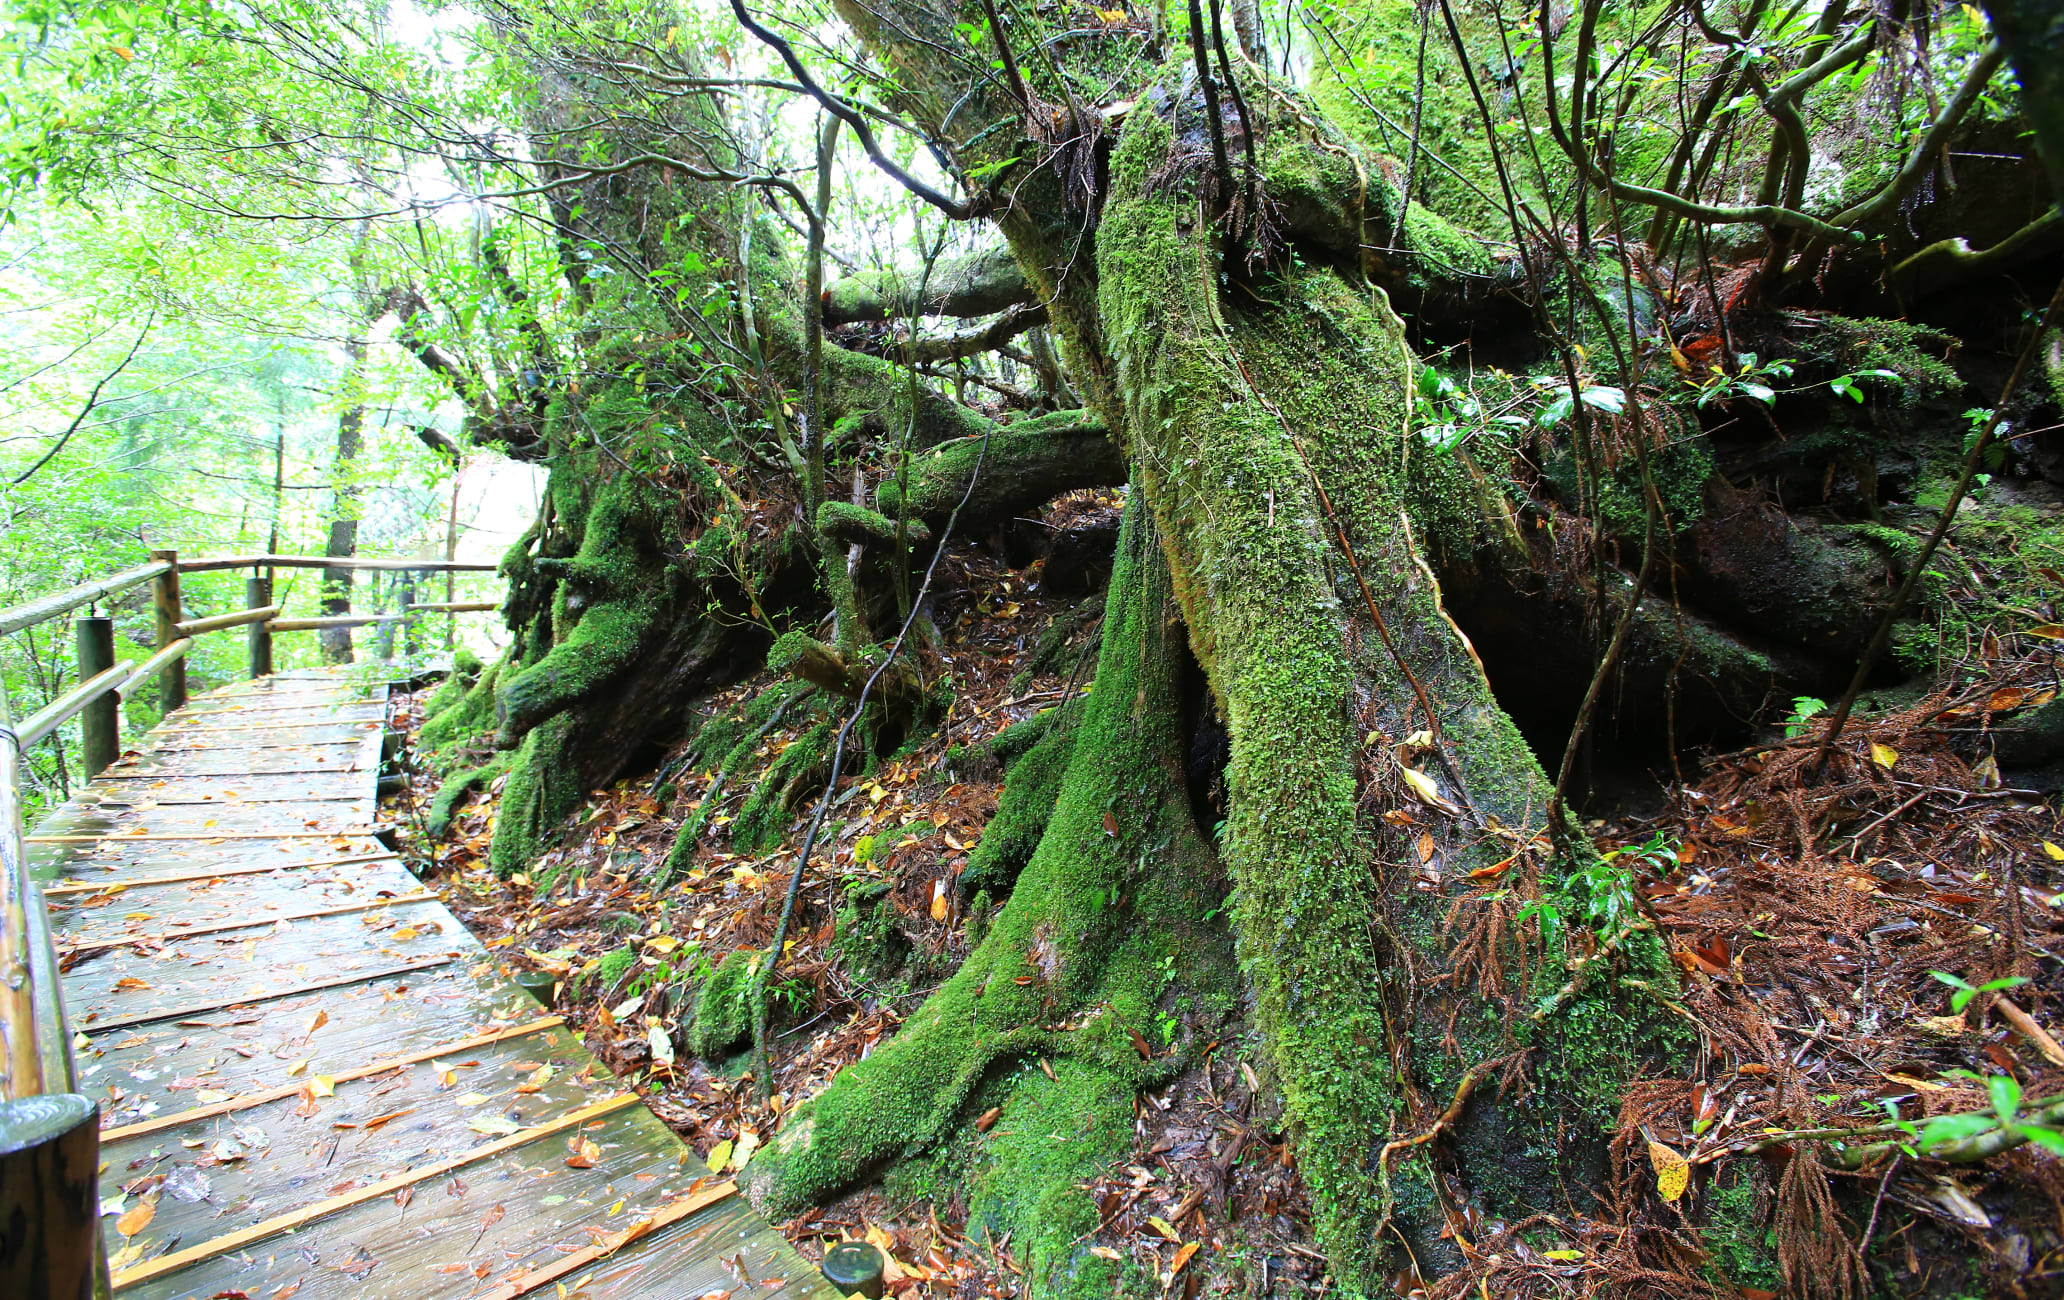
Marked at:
<point>1382,647</point>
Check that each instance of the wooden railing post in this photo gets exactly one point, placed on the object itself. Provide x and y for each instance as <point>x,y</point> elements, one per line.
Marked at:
<point>50,1197</point>
<point>257,595</point>
<point>23,1055</point>
<point>165,602</point>
<point>100,725</point>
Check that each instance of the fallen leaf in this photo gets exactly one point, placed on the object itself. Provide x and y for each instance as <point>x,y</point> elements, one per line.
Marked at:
<point>987,1119</point>
<point>720,1156</point>
<point>1164,1227</point>
<point>1182,1257</point>
<point>493,1125</point>
<point>136,1218</point>
<point>322,1085</point>
<point>1884,755</point>
<point>1672,1171</point>
<point>316,1021</point>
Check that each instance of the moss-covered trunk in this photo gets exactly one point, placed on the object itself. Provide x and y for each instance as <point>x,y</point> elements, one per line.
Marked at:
<point>1386,821</point>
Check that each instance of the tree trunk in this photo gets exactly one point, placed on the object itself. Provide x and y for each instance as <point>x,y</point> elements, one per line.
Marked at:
<point>342,541</point>
<point>1386,820</point>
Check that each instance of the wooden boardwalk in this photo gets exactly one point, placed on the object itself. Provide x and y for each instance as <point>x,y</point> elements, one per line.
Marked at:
<point>313,1081</point>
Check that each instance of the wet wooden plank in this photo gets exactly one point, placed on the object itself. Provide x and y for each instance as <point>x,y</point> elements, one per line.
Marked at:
<point>217,994</point>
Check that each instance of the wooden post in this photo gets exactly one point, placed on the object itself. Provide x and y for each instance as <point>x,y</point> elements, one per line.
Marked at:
<point>411,622</point>
<point>50,1197</point>
<point>23,1057</point>
<point>165,603</point>
<point>257,595</point>
<point>100,726</point>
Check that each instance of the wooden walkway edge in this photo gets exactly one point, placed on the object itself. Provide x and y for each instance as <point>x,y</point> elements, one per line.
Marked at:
<point>314,1082</point>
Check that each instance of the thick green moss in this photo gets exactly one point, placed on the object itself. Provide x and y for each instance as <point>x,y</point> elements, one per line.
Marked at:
<point>845,522</point>
<point>1036,753</point>
<point>723,1011</point>
<point>618,577</point>
<point>1240,403</point>
<point>449,739</point>
<point>455,789</point>
<point>764,818</point>
<point>1917,354</point>
<point>1105,925</point>
<point>538,795</point>
<point>733,738</point>
<point>1738,1235</point>
<point>465,671</point>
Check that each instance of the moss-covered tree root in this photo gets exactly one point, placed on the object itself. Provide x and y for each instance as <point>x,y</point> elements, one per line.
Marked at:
<point>1097,947</point>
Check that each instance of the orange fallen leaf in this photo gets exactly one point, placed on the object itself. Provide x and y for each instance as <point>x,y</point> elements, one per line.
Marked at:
<point>136,1218</point>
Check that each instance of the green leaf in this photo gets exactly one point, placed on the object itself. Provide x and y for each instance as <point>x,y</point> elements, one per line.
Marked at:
<point>1611,400</point>
<point>2006,1097</point>
<point>2048,1139</point>
<point>1952,1128</point>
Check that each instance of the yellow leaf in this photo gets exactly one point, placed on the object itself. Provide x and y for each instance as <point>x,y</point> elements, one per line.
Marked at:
<point>1562,1254</point>
<point>1422,784</point>
<point>1672,1171</point>
<point>663,944</point>
<point>748,1142</point>
<point>720,1156</point>
<point>302,1064</point>
<point>2054,852</point>
<point>875,794</point>
<point>322,1085</point>
<point>1884,755</point>
<point>1164,1227</point>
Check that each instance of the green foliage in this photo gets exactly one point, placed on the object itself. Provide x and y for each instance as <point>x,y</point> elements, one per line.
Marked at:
<point>1804,709</point>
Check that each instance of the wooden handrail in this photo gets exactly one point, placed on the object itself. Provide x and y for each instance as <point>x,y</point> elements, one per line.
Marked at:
<point>148,670</point>
<point>29,613</point>
<point>323,562</point>
<point>340,620</point>
<point>195,626</point>
<point>61,710</point>
<point>452,606</point>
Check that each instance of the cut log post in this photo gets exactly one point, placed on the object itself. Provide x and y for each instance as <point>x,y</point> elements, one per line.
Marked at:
<point>258,595</point>
<point>50,1198</point>
<point>165,604</point>
<point>100,723</point>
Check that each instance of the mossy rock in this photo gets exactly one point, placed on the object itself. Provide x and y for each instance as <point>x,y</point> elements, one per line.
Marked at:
<point>723,1007</point>
<point>871,948</point>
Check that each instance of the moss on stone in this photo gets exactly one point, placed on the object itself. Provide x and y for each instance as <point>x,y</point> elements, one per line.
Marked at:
<point>1917,354</point>
<point>723,1011</point>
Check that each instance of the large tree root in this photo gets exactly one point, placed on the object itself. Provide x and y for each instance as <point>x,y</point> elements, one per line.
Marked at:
<point>1096,947</point>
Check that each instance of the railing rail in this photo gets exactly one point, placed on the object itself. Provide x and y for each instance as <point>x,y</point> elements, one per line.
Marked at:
<point>29,1062</point>
<point>44,608</point>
